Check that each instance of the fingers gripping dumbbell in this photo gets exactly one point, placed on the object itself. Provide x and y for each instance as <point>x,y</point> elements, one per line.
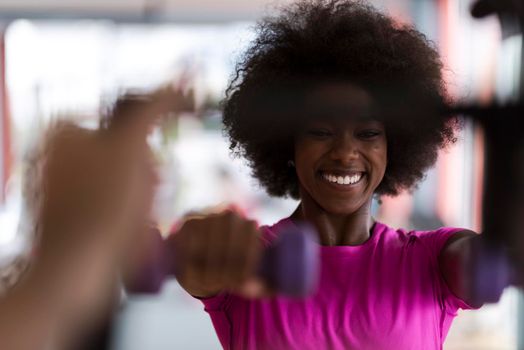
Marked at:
<point>290,266</point>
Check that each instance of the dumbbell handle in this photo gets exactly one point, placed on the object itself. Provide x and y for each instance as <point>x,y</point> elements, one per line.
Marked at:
<point>290,265</point>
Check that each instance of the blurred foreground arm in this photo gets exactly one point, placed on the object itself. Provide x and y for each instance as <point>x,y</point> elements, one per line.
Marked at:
<point>96,188</point>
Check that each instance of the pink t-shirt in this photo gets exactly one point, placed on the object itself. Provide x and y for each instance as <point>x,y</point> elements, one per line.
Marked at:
<point>387,293</point>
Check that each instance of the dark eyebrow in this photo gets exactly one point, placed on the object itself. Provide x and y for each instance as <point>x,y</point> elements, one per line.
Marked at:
<point>334,120</point>
<point>370,121</point>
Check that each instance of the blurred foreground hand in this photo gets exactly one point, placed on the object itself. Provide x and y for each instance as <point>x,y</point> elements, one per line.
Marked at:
<point>96,188</point>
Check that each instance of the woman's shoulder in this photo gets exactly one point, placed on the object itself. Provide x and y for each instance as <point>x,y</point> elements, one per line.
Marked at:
<point>443,231</point>
<point>432,240</point>
<point>437,236</point>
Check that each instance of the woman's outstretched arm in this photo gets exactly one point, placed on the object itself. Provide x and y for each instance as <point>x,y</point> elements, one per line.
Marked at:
<point>456,260</point>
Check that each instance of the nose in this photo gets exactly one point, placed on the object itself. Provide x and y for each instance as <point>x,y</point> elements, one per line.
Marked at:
<point>345,148</point>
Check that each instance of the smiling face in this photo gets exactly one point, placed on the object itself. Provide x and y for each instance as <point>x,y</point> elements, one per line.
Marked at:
<point>341,160</point>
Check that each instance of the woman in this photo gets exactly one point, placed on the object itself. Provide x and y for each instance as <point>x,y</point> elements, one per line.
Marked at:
<point>332,105</point>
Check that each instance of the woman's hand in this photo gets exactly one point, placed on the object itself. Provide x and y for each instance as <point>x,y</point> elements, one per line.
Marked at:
<point>218,252</point>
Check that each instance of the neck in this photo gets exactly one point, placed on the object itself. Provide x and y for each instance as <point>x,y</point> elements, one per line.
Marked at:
<point>340,229</point>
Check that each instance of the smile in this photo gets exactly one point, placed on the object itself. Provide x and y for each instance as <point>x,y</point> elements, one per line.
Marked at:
<point>342,180</point>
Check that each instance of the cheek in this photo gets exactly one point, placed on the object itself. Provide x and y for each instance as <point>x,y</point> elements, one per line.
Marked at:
<point>380,156</point>
<point>301,152</point>
<point>385,153</point>
<point>306,154</point>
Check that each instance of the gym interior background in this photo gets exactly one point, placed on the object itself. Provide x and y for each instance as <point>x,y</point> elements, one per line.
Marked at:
<point>73,58</point>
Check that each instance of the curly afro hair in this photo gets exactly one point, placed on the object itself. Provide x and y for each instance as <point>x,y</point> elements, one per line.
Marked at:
<point>313,42</point>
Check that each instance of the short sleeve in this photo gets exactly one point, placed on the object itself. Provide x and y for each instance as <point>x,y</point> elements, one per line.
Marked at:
<point>215,303</point>
<point>216,308</point>
<point>435,241</point>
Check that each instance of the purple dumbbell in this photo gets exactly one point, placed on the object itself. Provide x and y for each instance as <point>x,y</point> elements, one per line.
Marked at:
<point>491,272</point>
<point>290,265</point>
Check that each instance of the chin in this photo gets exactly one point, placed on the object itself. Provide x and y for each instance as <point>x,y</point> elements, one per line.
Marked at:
<point>335,209</point>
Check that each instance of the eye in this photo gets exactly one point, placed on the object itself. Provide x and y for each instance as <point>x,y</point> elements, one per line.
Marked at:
<point>369,134</point>
<point>319,132</point>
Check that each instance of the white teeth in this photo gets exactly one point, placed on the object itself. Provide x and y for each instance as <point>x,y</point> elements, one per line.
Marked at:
<point>342,180</point>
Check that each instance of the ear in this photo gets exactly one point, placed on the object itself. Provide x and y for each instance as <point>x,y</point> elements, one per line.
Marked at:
<point>378,198</point>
